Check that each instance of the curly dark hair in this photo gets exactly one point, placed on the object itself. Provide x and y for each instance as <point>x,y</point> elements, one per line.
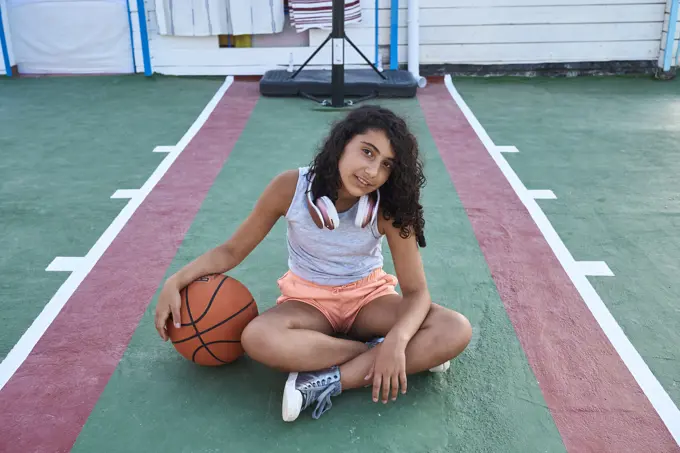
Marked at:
<point>400,195</point>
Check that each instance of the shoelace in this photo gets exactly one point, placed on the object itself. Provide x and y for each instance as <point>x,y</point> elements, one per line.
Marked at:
<point>324,400</point>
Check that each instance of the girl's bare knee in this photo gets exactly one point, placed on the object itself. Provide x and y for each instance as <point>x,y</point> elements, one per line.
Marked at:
<point>258,337</point>
<point>453,332</point>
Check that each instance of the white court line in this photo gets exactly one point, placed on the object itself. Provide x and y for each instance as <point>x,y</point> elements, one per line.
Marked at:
<point>595,268</point>
<point>654,391</point>
<point>506,149</point>
<point>65,264</point>
<point>163,149</point>
<point>30,338</point>
<point>542,194</point>
<point>125,193</point>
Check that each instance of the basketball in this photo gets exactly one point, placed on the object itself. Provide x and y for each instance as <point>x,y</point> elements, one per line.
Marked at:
<point>215,309</point>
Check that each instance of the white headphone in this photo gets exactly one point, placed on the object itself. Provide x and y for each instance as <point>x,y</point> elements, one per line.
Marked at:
<point>324,214</point>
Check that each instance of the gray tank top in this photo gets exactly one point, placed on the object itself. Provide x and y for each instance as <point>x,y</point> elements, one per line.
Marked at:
<point>326,257</point>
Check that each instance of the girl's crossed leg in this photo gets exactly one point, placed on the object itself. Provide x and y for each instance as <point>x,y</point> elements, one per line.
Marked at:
<point>442,336</point>
<point>296,337</point>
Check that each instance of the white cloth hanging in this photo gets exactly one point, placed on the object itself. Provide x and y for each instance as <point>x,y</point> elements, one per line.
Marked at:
<point>306,14</point>
<point>219,17</point>
<point>70,36</point>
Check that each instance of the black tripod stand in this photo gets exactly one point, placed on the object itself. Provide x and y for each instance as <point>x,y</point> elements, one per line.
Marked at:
<point>338,38</point>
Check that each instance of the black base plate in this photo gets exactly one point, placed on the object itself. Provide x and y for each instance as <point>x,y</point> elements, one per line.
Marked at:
<point>358,82</point>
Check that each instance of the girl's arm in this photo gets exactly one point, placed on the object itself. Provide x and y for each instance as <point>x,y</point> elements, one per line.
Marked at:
<point>389,369</point>
<point>411,275</point>
<point>272,204</point>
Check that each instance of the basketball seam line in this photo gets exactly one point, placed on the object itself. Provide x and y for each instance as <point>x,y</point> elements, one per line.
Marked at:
<point>193,356</point>
<point>209,303</point>
<point>216,325</point>
<point>196,328</point>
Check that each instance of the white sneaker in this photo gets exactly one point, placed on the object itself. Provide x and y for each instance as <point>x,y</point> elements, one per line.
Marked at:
<point>304,389</point>
<point>441,368</point>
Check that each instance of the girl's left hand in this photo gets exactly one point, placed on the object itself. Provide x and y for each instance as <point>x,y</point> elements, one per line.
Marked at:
<point>388,371</point>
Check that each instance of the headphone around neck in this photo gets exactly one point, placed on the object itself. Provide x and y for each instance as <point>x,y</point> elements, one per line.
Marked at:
<point>324,214</point>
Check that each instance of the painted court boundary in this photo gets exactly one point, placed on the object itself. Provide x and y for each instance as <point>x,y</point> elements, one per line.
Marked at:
<point>28,340</point>
<point>594,400</point>
<point>52,393</point>
<point>652,388</point>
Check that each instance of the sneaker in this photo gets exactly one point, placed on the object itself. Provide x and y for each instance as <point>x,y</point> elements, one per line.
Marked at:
<point>441,368</point>
<point>304,389</point>
<point>438,369</point>
<point>375,342</point>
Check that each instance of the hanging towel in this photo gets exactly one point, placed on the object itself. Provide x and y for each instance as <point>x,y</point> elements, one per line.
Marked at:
<point>219,17</point>
<point>306,14</point>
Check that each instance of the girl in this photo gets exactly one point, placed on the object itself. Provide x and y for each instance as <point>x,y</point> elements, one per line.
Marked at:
<point>363,185</point>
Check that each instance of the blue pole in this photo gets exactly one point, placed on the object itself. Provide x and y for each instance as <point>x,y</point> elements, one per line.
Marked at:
<point>377,23</point>
<point>670,36</point>
<point>141,13</point>
<point>132,38</point>
<point>677,54</point>
<point>394,34</point>
<point>5,52</point>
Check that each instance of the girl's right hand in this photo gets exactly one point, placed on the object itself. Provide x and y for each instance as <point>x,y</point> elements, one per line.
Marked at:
<point>169,302</point>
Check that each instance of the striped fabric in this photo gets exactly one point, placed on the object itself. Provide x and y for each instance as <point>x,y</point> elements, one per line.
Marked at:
<point>306,14</point>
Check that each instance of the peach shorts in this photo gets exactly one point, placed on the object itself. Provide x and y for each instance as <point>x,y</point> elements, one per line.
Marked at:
<point>339,304</point>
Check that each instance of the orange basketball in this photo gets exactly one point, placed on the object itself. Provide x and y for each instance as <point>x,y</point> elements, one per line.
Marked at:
<point>215,310</point>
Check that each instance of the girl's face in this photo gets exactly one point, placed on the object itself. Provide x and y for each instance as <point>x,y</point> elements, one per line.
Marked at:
<point>366,163</point>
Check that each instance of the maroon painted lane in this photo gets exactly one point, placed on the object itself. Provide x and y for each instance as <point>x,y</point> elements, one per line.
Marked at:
<point>595,402</point>
<point>45,404</point>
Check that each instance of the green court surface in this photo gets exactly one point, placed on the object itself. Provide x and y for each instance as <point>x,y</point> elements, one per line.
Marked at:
<point>531,380</point>
<point>608,149</point>
<point>67,145</point>
<point>156,401</point>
